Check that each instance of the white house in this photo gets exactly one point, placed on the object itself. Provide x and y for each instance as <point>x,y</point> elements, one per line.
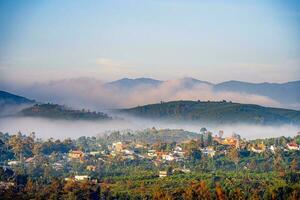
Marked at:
<point>152,153</point>
<point>13,162</point>
<point>81,177</point>
<point>168,157</point>
<point>163,174</point>
<point>209,151</point>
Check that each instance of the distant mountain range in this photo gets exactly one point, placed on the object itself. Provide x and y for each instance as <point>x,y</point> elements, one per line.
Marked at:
<point>221,112</point>
<point>288,93</point>
<point>126,92</point>
<point>127,83</point>
<point>285,93</point>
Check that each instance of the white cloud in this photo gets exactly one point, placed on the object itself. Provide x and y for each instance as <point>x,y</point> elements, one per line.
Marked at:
<point>94,94</point>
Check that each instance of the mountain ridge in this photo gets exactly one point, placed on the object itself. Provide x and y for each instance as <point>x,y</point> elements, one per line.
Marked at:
<point>96,93</point>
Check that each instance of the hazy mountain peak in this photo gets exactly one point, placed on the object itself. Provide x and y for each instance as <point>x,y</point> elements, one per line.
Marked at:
<point>8,98</point>
<point>128,83</point>
<point>195,81</point>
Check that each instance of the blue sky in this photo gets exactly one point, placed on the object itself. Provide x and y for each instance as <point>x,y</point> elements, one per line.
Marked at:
<point>253,41</point>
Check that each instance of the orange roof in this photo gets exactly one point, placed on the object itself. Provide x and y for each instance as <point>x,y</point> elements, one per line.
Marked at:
<point>293,144</point>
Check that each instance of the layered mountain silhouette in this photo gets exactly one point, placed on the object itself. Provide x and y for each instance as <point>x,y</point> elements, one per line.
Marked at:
<point>128,92</point>
<point>287,93</point>
<point>282,92</point>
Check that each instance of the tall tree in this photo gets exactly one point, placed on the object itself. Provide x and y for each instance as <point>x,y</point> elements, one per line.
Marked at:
<point>234,156</point>
<point>17,144</point>
<point>294,165</point>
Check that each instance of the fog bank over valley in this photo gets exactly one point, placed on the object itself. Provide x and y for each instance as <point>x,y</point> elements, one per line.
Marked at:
<point>124,93</point>
<point>60,129</point>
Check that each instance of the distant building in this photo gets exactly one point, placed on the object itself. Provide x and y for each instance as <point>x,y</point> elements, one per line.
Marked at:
<point>293,146</point>
<point>91,168</point>
<point>152,153</point>
<point>68,179</point>
<point>178,151</point>
<point>209,151</point>
<point>57,166</point>
<point>140,146</point>
<point>13,162</point>
<point>128,157</point>
<point>163,174</point>
<point>221,133</point>
<point>272,148</point>
<point>168,157</point>
<point>118,146</point>
<point>94,153</point>
<point>29,160</point>
<point>128,152</point>
<point>82,177</point>
<point>76,154</point>
<point>229,141</point>
<point>184,170</point>
<point>260,148</point>
<point>4,185</point>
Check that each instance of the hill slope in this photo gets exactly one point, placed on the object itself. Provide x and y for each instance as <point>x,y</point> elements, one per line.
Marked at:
<point>55,111</point>
<point>11,99</point>
<point>10,104</point>
<point>216,112</point>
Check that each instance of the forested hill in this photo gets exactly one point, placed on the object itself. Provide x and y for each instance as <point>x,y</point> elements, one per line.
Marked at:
<point>55,111</point>
<point>215,112</point>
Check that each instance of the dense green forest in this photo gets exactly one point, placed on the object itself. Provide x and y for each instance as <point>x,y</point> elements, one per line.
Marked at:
<point>55,111</point>
<point>216,112</point>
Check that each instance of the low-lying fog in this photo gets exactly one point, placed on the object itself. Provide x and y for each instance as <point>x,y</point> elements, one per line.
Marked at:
<point>60,129</point>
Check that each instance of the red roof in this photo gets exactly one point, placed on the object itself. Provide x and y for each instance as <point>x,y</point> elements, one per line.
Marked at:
<point>293,145</point>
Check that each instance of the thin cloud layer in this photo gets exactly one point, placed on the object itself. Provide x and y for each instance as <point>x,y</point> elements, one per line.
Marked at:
<point>95,94</point>
<point>61,129</point>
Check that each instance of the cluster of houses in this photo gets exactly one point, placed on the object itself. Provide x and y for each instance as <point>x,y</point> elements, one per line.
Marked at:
<point>122,150</point>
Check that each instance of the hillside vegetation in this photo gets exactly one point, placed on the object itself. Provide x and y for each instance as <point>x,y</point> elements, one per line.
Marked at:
<point>56,111</point>
<point>215,112</point>
<point>152,135</point>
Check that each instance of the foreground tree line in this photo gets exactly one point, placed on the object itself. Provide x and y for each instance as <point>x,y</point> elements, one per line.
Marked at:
<point>119,166</point>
